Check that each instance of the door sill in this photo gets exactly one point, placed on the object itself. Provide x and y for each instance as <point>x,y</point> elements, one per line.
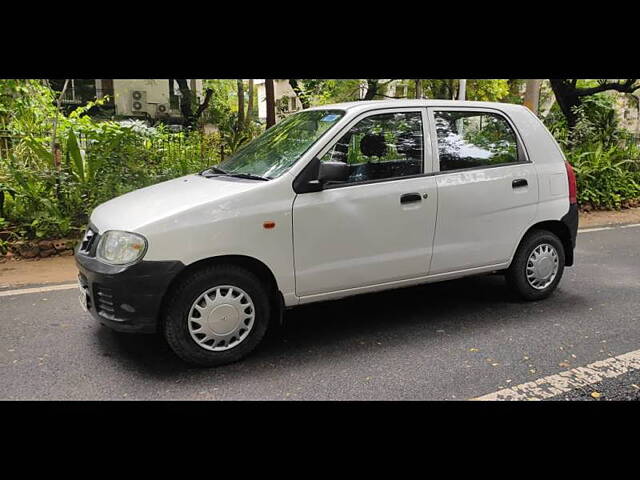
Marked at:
<point>440,277</point>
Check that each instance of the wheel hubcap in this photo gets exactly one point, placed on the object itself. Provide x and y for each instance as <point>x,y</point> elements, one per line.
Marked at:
<point>221,318</point>
<point>542,266</point>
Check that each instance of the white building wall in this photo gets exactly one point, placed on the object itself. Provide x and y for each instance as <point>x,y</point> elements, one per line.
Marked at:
<point>157,93</point>
<point>281,88</point>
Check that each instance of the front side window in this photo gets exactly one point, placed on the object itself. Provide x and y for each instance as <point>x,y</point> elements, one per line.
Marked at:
<point>276,150</point>
<point>381,146</point>
<point>473,139</point>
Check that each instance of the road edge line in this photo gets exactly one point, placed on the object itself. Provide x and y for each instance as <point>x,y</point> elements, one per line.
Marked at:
<point>51,288</point>
<point>568,380</point>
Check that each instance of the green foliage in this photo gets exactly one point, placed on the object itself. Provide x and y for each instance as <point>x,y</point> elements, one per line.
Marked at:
<point>606,177</point>
<point>43,197</point>
<point>487,90</point>
<point>223,113</point>
<point>605,157</point>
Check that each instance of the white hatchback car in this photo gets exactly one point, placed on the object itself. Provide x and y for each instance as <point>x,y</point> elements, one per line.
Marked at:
<point>333,201</point>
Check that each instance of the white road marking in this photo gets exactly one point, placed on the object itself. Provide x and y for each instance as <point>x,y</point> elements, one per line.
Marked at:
<point>563,382</point>
<point>22,291</point>
<point>598,229</point>
<point>585,230</point>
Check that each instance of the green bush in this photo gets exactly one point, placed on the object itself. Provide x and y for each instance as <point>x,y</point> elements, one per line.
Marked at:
<point>605,177</point>
<point>43,196</point>
<point>605,157</point>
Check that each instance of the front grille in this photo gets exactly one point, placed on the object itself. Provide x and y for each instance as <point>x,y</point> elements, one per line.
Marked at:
<point>87,241</point>
<point>105,303</point>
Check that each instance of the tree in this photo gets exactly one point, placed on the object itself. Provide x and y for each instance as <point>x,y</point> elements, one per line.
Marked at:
<point>244,119</point>
<point>532,95</point>
<point>300,93</point>
<point>314,91</point>
<point>570,95</point>
<point>418,88</point>
<point>372,88</point>
<point>187,102</point>
<point>271,102</point>
<point>240,84</point>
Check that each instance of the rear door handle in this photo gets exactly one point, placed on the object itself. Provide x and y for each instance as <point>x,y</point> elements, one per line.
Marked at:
<point>410,198</point>
<point>519,182</point>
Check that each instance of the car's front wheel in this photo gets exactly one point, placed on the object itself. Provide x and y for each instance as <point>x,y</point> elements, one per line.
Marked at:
<point>217,315</point>
<point>537,266</point>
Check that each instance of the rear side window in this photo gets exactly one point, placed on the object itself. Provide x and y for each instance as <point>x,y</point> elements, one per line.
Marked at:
<point>473,139</point>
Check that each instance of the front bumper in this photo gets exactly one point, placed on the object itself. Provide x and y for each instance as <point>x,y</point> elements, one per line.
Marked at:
<point>126,298</point>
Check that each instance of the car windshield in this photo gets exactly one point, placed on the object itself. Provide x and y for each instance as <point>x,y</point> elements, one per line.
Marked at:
<point>276,150</point>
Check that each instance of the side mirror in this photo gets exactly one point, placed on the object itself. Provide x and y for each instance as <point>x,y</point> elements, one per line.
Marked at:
<point>333,172</point>
<point>316,174</point>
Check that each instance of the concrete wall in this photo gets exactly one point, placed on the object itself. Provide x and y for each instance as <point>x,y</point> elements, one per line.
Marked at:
<point>628,113</point>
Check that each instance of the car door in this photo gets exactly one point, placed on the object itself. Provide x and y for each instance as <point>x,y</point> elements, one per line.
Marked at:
<point>378,226</point>
<point>487,188</point>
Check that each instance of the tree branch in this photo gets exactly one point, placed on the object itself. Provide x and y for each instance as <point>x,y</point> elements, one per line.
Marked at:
<point>295,86</point>
<point>626,87</point>
<point>205,103</point>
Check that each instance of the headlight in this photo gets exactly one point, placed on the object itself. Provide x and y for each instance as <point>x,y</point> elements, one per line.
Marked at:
<point>121,248</point>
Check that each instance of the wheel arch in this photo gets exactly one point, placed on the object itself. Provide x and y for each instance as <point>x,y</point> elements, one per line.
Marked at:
<point>252,264</point>
<point>559,229</point>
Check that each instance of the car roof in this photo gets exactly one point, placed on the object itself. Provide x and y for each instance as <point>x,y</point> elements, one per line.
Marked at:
<point>364,105</point>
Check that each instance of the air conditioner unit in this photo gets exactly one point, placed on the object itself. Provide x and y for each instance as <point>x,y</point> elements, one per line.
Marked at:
<point>162,109</point>
<point>138,101</point>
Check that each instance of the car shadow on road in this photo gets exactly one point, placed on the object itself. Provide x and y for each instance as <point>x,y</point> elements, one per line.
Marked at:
<point>313,332</point>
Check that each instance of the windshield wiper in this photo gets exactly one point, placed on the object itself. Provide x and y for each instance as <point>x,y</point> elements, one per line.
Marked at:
<point>248,175</point>
<point>218,171</point>
<point>215,170</point>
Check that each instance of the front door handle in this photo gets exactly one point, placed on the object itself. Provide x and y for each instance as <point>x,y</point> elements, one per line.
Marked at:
<point>410,198</point>
<point>519,182</point>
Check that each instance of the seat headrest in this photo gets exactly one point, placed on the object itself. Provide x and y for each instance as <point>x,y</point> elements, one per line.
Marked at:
<point>373,145</point>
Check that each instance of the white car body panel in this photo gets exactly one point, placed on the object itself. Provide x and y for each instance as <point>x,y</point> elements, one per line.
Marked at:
<point>361,235</point>
<point>481,217</point>
<point>358,238</point>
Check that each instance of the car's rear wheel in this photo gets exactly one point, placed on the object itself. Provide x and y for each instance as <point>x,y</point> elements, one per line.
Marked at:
<point>537,266</point>
<point>217,315</point>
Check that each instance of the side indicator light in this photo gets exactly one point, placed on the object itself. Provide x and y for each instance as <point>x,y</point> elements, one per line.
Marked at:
<point>269,225</point>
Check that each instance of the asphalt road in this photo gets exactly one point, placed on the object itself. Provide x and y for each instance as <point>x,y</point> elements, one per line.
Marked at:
<point>450,341</point>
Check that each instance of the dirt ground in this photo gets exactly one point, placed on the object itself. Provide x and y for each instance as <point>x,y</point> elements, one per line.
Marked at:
<point>16,273</point>
<point>604,218</point>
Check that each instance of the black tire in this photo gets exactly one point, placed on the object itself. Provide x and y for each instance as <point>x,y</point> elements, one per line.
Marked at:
<point>175,321</point>
<point>516,274</point>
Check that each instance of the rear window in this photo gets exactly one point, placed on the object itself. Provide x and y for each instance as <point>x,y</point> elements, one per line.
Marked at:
<point>474,139</point>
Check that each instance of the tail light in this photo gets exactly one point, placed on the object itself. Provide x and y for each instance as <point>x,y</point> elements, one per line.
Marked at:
<point>573,189</point>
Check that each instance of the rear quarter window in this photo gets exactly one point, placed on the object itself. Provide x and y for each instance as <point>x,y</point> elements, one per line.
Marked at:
<point>468,139</point>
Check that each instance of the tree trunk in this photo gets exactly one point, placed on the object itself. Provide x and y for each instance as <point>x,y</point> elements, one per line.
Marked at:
<point>249,104</point>
<point>532,95</point>
<point>372,89</point>
<point>462,89</point>
<point>240,104</point>
<point>567,100</point>
<point>185,100</point>
<point>186,103</point>
<point>271,102</point>
<point>418,88</point>
<point>55,119</point>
